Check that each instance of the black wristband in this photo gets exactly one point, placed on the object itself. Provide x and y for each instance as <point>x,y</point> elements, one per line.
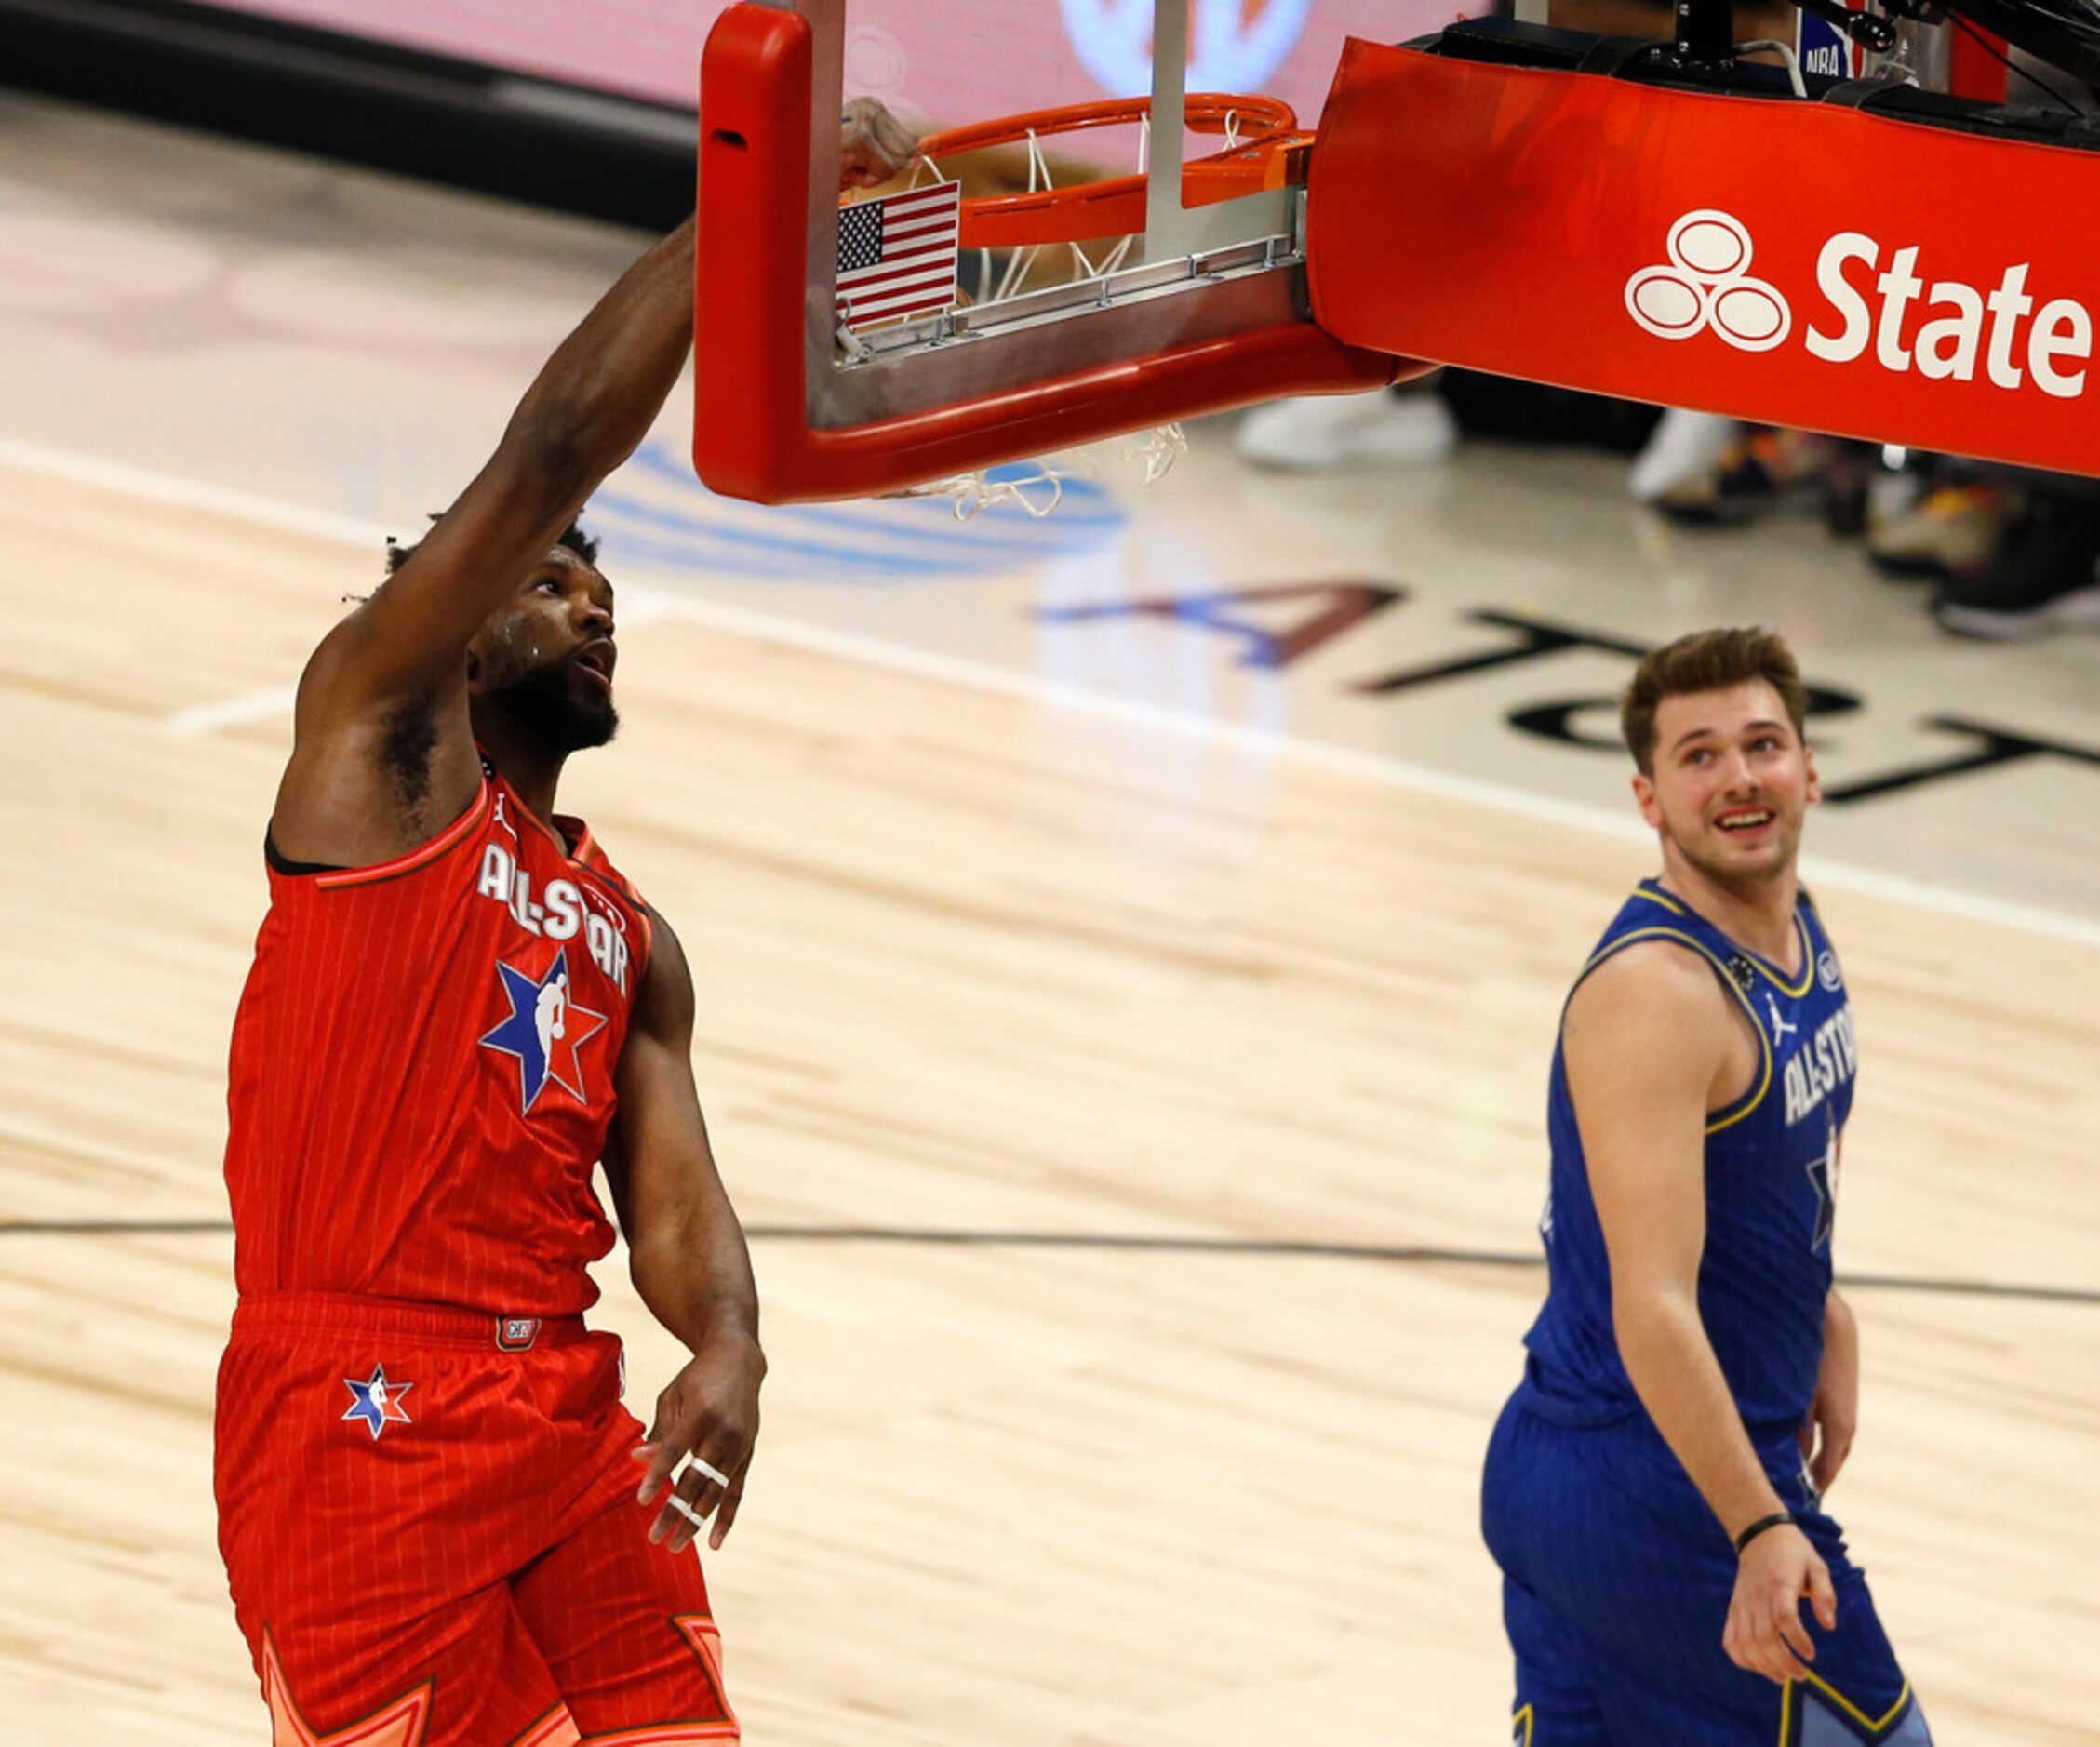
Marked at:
<point>1758,1527</point>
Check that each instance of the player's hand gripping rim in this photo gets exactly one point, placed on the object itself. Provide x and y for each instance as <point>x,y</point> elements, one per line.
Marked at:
<point>1765,1632</point>
<point>700,1446</point>
<point>874,146</point>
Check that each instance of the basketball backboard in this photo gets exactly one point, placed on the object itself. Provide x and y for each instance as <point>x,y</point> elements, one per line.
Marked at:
<point>1181,289</point>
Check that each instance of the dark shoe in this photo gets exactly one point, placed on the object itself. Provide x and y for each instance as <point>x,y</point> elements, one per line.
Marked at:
<point>2040,579</point>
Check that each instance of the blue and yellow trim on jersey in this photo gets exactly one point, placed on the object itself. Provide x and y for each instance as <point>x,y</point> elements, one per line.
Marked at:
<point>1793,1715</point>
<point>1729,1115</point>
<point>1793,991</point>
<point>1520,1728</point>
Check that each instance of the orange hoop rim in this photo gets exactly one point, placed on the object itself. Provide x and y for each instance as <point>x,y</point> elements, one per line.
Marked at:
<point>1115,206</point>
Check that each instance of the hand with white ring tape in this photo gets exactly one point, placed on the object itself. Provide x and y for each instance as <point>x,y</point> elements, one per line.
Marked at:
<point>700,1444</point>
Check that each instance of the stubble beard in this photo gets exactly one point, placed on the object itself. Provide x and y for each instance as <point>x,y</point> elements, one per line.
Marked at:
<point>1735,876</point>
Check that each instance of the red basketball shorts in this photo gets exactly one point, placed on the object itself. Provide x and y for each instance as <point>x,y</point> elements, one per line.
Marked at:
<point>428,1526</point>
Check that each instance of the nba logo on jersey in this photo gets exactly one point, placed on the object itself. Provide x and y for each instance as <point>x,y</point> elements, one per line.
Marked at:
<point>544,1031</point>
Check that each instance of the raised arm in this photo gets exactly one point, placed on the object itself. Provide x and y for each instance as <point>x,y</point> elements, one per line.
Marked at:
<point>687,1255</point>
<point>592,403</point>
<point>1650,1045</point>
<point>384,753</point>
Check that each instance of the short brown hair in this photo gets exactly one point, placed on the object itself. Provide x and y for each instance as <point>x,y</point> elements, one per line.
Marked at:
<point>1708,660</point>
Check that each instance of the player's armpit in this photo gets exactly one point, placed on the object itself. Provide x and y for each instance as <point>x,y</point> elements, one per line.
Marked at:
<point>592,403</point>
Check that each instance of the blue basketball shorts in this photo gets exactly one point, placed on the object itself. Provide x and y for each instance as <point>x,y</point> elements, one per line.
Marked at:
<point>1616,1581</point>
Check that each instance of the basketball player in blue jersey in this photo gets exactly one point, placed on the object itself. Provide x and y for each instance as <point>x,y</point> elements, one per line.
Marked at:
<point>1653,1489</point>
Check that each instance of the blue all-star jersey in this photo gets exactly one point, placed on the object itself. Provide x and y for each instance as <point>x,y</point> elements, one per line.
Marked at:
<point>1771,1183</point>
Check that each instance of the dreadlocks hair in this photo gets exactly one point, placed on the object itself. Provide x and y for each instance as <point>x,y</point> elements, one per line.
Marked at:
<point>1708,660</point>
<point>572,537</point>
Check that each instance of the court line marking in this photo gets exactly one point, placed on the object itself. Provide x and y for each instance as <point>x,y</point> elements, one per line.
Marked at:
<point>277,701</point>
<point>1313,1248</point>
<point>254,706</point>
<point>658,603</point>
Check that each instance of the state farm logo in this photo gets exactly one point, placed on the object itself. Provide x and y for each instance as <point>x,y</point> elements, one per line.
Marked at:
<point>1706,283</point>
<point>1942,329</point>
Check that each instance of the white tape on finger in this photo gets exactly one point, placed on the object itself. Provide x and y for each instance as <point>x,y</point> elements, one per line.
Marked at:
<point>704,1466</point>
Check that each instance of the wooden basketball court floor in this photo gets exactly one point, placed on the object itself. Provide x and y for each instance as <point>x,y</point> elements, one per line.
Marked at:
<point>1139,1119</point>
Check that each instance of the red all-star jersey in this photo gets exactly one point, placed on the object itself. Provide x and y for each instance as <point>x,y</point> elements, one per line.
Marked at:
<point>423,1063</point>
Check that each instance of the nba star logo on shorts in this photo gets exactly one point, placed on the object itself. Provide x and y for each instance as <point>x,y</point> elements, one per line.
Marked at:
<point>376,1401</point>
<point>1706,283</point>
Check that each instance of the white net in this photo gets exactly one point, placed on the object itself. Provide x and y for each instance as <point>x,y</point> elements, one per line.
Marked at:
<point>1038,487</point>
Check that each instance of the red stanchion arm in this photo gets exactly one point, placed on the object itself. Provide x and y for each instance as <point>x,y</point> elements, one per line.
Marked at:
<point>1773,259</point>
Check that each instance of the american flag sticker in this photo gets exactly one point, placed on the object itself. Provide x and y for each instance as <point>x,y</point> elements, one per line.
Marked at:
<point>897,254</point>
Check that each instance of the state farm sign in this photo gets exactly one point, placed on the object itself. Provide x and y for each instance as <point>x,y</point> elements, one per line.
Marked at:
<point>1946,346</point>
<point>1695,249</point>
<point>1945,329</point>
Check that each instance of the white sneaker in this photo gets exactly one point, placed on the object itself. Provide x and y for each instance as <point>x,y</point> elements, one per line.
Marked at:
<point>1314,433</point>
<point>1684,444</point>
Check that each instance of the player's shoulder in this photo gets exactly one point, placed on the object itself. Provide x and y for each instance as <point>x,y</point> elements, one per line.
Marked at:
<point>666,952</point>
<point>1661,968</point>
<point>1661,986</point>
<point>599,863</point>
<point>1650,1020</point>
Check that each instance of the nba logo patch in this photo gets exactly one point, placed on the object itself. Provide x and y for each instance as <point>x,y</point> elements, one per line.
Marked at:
<point>377,1401</point>
<point>545,1032</point>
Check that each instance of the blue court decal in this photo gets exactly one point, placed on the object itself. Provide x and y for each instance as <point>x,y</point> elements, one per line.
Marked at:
<point>656,511</point>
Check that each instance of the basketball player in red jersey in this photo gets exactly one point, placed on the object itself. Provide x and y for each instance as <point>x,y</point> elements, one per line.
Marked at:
<point>427,1484</point>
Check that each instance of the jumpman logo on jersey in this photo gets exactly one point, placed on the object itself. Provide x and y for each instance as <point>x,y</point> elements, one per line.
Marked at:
<point>544,1031</point>
<point>1822,1179</point>
<point>377,1401</point>
<point>1781,1026</point>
